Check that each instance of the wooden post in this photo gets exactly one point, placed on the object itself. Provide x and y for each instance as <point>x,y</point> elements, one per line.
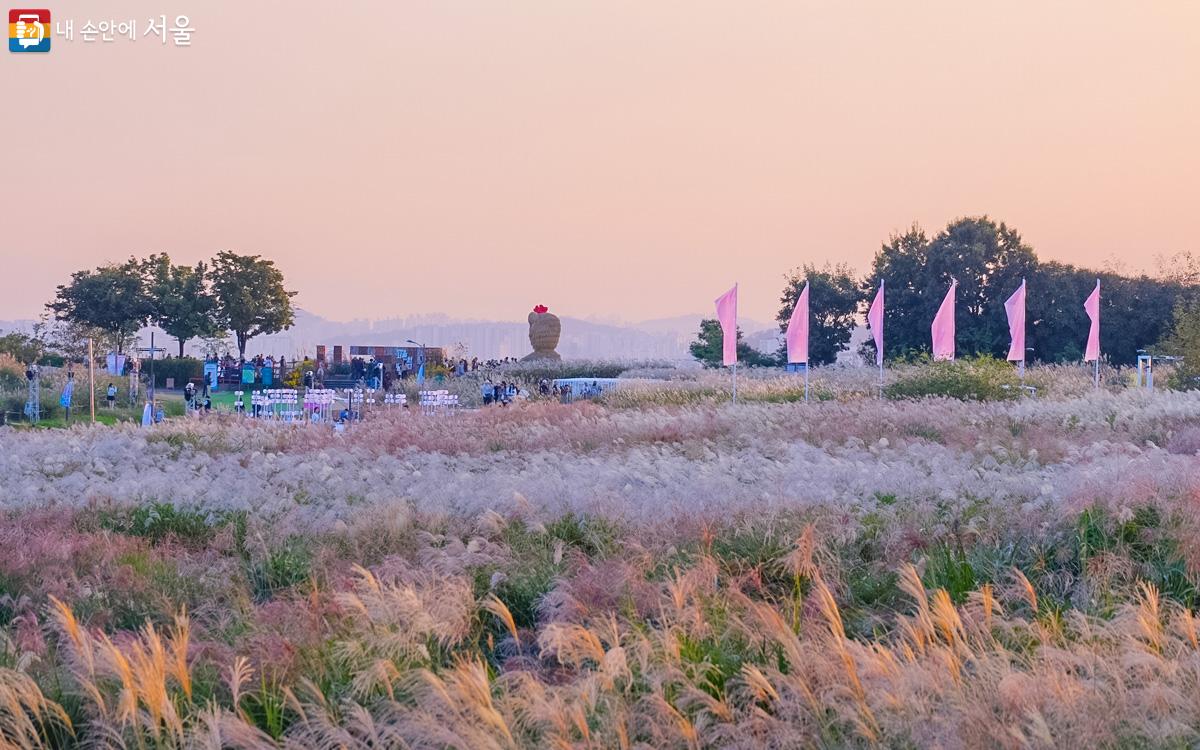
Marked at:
<point>92,380</point>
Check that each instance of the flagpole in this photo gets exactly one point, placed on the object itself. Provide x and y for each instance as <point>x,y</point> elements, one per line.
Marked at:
<point>1096,371</point>
<point>1095,328</point>
<point>735,382</point>
<point>1023,350</point>
<point>92,379</point>
<point>806,382</point>
<point>879,349</point>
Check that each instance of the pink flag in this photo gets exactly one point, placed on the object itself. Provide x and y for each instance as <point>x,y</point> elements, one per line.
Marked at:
<point>797,330</point>
<point>1015,307</point>
<point>1093,310</point>
<point>727,316</point>
<point>875,321</point>
<point>943,327</point>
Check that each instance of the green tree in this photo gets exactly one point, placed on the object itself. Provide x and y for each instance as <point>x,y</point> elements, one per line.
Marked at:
<point>1183,340</point>
<point>987,259</point>
<point>1182,268</point>
<point>1056,325</point>
<point>22,347</point>
<point>69,339</point>
<point>832,305</point>
<point>111,298</point>
<point>1135,312</point>
<point>183,305</point>
<point>250,297</point>
<point>707,347</point>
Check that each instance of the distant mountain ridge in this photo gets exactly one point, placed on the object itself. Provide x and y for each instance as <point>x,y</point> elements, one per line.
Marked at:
<point>661,338</point>
<point>657,339</point>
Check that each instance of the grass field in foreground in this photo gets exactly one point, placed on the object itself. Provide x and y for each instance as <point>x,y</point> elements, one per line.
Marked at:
<point>854,572</point>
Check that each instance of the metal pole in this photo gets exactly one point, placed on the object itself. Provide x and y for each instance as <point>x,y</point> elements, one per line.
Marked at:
<point>880,378</point>
<point>92,379</point>
<point>806,382</point>
<point>1096,375</point>
<point>153,405</point>
<point>735,382</point>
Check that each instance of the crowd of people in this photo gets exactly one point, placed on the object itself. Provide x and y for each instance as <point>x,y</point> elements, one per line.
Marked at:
<point>565,393</point>
<point>367,372</point>
<point>502,393</point>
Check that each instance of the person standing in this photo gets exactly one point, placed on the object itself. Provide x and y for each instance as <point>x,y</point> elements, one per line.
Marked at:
<point>110,396</point>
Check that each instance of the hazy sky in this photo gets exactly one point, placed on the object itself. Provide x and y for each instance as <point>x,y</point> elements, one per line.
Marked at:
<point>627,158</point>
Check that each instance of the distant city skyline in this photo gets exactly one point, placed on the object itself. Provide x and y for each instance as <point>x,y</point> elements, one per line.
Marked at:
<point>614,159</point>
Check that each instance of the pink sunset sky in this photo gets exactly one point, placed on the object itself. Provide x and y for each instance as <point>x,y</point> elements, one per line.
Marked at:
<point>618,158</point>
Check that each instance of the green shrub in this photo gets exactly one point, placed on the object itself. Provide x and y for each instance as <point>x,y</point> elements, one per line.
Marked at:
<point>1147,539</point>
<point>159,521</point>
<point>281,568</point>
<point>981,379</point>
<point>537,370</point>
<point>181,369</point>
<point>12,403</point>
<point>539,557</point>
<point>948,568</point>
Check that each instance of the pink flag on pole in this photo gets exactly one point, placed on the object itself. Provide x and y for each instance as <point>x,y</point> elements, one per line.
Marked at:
<point>727,317</point>
<point>1015,307</point>
<point>797,330</point>
<point>1093,310</point>
<point>943,327</point>
<point>875,321</point>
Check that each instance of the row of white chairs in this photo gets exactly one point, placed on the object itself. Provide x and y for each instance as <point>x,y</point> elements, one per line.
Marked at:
<point>317,397</point>
<point>438,402</point>
<point>320,404</point>
<point>281,404</point>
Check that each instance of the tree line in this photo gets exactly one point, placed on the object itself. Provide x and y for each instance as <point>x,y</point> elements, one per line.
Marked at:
<point>989,260</point>
<point>239,294</point>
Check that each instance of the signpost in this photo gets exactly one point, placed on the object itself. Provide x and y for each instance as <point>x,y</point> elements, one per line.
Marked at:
<point>92,379</point>
<point>152,350</point>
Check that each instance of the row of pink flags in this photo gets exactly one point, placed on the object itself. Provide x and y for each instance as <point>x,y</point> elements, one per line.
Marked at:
<point>942,330</point>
